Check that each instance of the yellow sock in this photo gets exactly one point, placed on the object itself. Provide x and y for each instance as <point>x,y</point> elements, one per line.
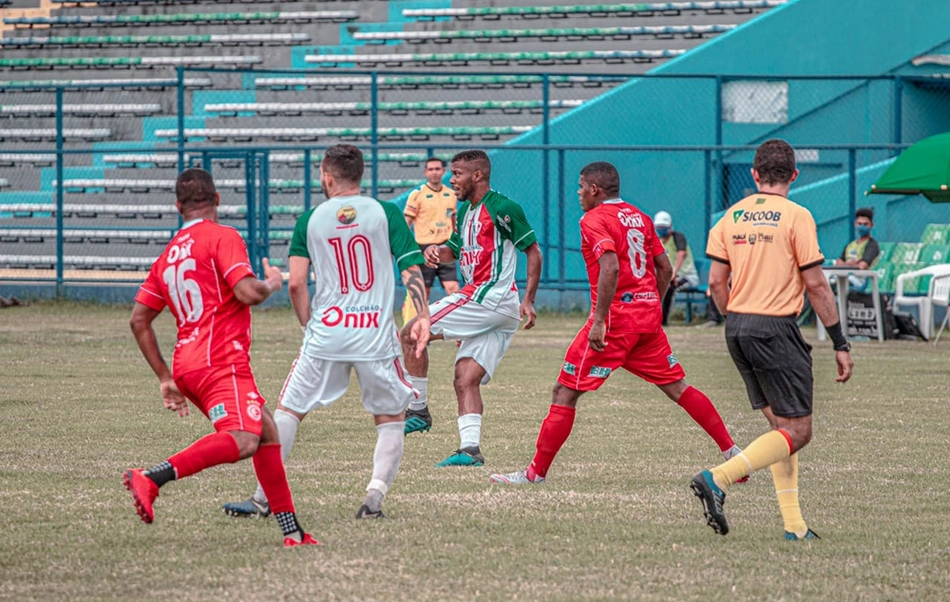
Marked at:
<point>785,475</point>
<point>764,451</point>
<point>408,310</point>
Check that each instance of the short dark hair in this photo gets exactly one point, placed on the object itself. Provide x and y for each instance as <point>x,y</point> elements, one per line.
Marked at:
<point>479,157</point>
<point>604,175</point>
<point>194,187</point>
<point>435,159</point>
<point>865,212</point>
<point>344,162</point>
<point>774,161</point>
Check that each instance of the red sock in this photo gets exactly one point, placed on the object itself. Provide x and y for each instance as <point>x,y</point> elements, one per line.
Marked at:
<point>555,430</point>
<point>700,409</point>
<point>269,468</point>
<point>210,450</point>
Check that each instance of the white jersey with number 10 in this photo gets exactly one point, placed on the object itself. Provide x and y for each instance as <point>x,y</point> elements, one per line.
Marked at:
<point>351,243</point>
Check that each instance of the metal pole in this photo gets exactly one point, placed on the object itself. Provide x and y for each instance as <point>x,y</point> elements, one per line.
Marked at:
<point>718,191</point>
<point>307,177</point>
<point>249,191</point>
<point>374,125</point>
<point>898,113</point>
<point>852,191</point>
<point>59,192</point>
<point>546,164</point>
<point>181,118</point>
<point>265,204</point>
<point>561,211</point>
<point>707,189</point>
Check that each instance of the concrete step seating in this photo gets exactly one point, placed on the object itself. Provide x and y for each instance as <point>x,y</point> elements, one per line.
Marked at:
<point>106,236</point>
<point>544,35</point>
<point>412,82</point>
<point>71,85</point>
<point>27,159</point>
<point>309,134</point>
<point>459,59</point>
<point>397,108</point>
<point>594,10</point>
<point>170,160</point>
<point>243,39</point>
<point>112,63</point>
<point>85,110</point>
<point>99,185</point>
<point>326,16</point>
<point>49,134</point>
<point>85,210</point>
<point>89,262</point>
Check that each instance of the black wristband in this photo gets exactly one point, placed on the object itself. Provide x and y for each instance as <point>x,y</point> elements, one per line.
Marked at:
<point>837,337</point>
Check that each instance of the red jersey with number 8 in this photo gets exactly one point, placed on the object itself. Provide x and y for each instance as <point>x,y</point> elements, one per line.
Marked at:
<point>621,228</point>
<point>195,277</point>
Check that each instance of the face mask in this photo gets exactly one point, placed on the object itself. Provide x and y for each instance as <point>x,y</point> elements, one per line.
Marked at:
<point>663,231</point>
<point>862,231</point>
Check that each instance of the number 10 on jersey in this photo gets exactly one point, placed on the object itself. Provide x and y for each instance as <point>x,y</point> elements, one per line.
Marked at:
<point>349,265</point>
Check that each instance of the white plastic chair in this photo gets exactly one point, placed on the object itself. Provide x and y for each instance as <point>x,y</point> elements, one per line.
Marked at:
<point>937,294</point>
<point>941,288</point>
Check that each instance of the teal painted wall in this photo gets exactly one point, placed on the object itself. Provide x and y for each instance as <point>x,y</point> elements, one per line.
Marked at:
<point>806,37</point>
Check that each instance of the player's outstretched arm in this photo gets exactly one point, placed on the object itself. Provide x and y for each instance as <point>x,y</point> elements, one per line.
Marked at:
<point>823,302</point>
<point>297,287</point>
<point>141,324</point>
<point>416,289</point>
<point>251,291</point>
<point>535,264</point>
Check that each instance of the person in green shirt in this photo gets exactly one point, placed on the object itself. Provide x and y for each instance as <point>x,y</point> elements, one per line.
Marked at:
<point>681,256</point>
<point>862,252</point>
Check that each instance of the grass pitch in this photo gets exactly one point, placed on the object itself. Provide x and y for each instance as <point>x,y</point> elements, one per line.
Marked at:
<point>614,521</point>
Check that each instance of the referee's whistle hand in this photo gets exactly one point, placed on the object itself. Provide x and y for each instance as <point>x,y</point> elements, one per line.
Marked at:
<point>845,366</point>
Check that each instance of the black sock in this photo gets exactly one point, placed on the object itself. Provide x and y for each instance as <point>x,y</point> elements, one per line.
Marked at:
<point>161,473</point>
<point>288,523</point>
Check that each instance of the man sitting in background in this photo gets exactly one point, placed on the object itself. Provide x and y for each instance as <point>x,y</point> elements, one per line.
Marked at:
<point>862,252</point>
<point>681,256</point>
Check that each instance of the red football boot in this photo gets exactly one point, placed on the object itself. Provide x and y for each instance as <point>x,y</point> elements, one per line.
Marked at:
<point>143,490</point>
<point>308,540</point>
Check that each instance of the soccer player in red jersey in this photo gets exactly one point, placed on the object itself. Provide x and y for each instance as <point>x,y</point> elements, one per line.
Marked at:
<point>205,278</point>
<point>629,273</point>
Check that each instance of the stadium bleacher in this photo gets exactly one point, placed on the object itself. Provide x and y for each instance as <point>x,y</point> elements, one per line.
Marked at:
<point>116,60</point>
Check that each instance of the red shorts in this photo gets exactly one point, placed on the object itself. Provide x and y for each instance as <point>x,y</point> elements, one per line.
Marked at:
<point>646,355</point>
<point>227,395</point>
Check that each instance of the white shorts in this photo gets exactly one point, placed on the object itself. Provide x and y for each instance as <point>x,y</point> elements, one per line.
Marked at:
<point>315,382</point>
<point>485,334</point>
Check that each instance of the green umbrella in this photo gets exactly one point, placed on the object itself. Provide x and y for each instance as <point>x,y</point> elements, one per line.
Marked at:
<point>924,168</point>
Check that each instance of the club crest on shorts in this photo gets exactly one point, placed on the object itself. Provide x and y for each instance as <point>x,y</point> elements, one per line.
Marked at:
<point>346,215</point>
<point>672,360</point>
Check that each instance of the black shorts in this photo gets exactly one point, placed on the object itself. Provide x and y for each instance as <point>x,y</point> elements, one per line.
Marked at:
<point>774,361</point>
<point>445,272</point>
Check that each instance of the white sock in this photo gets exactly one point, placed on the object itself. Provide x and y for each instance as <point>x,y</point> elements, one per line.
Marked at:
<point>420,384</point>
<point>735,450</point>
<point>287,432</point>
<point>390,440</point>
<point>470,430</point>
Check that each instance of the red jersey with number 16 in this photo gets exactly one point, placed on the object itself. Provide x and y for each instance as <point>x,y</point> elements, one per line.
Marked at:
<point>194,277</point>
<point>621,228</point>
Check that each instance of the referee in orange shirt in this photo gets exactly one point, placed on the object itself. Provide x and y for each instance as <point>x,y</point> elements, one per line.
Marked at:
<point>431,213</point>
<point>770,246</point>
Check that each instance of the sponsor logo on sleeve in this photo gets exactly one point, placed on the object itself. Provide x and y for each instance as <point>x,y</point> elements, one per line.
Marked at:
<point>672,360</point>
<point>217,413</point>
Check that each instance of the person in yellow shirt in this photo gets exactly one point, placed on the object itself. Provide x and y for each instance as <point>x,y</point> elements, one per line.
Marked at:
<point>431,213</point>
<point>770,247</point>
